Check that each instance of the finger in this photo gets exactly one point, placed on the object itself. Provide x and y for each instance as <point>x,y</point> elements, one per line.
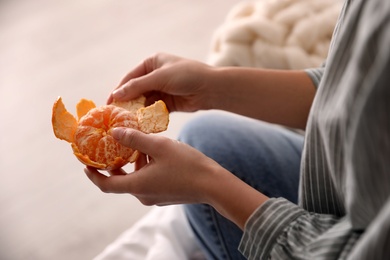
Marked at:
<point>117,172</point>
<point>146,144</point>
<point>138,86</point>
<point>140,70</point>
<point>110,99</point>
<point>141,162</point>
<point>137,81</point>
<point>112,184</point>
<point>147,66</point>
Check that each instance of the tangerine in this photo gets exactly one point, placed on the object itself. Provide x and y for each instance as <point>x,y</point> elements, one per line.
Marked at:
<point>90,137</point>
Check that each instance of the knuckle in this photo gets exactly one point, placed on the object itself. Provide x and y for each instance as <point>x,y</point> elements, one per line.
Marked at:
<point>158,59</point>
<point>127,87</point>
<point>158,56</point>
<point>151,62</point>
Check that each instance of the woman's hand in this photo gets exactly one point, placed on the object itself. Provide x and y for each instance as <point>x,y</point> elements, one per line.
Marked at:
<point>169,172</point>
<point>166,172</point>
<point>277,96</point>
<point>180,83</point>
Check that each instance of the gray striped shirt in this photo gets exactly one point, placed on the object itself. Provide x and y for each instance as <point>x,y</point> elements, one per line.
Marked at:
<point>344,210</point>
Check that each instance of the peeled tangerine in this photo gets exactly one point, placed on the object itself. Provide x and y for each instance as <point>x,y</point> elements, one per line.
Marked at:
<point>89,134</point>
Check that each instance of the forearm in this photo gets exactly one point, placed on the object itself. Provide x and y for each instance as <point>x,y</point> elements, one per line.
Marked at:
<point>276,96</point>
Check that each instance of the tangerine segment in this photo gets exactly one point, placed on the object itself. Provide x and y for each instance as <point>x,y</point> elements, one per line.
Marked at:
<point>83,107</point>
<point>94,143</point>
<point>85,159</point>
<point>154,118</point>
<point>64,124</point>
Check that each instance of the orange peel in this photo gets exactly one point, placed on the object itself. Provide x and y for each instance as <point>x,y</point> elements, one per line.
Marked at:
<point>89,134</point>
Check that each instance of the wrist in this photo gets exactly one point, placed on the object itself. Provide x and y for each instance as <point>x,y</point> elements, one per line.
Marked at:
<point>233,89</point>
<point>231,197</point>
<point>217,87</point>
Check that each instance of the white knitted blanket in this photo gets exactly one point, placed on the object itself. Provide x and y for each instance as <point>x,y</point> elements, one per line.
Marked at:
<point>279,34</point>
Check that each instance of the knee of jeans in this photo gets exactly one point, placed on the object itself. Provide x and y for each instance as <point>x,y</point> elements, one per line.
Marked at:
<point>200,130</point>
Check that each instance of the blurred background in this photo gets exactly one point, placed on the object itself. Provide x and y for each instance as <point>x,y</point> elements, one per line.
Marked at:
<point>76,49</point>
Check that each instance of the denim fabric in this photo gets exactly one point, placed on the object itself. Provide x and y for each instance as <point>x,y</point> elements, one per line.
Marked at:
<point>265,156</point>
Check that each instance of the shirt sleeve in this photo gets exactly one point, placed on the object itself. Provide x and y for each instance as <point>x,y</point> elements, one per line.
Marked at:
<point>376,240</point>
<point>280,229</point>
<point>315,74</point>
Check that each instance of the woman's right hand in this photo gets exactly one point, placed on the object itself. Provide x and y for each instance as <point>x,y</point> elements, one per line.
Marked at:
<point>181,83</point>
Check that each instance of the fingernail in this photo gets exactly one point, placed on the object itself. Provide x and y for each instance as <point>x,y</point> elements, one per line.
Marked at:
<point>117,133</point>
<point>119,93</point>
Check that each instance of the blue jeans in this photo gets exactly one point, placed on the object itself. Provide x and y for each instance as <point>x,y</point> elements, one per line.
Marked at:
<point>265,156</point>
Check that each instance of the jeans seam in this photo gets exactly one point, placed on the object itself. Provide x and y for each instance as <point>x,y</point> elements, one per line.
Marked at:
<point>220,237</point>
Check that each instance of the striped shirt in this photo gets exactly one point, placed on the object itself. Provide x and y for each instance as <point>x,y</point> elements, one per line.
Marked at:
<point>344,204</point>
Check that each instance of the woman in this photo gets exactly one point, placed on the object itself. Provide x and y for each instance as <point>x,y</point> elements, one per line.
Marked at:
<point>248,170</point>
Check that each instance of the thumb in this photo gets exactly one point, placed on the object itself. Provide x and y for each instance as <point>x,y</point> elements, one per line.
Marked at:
<point>135,140</point>
<point>138,86</point>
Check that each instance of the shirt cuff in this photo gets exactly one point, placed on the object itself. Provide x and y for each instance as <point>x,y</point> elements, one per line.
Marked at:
<point>265,225</point>
<point>315,75</point>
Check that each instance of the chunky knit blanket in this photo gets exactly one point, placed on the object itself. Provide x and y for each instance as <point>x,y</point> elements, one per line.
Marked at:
<point>279,34</point>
